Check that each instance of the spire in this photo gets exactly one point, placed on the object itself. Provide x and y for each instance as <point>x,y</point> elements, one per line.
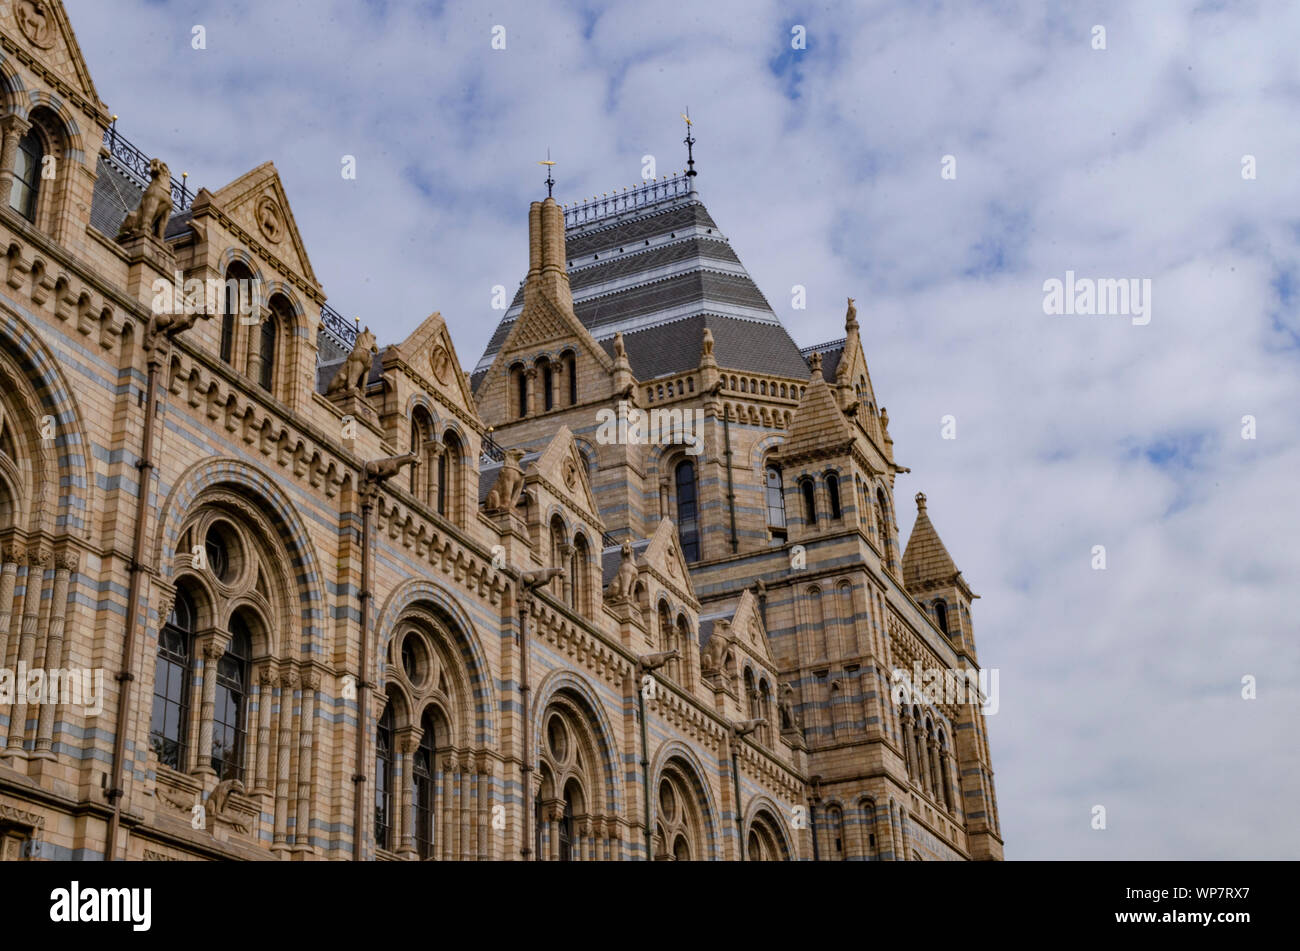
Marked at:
<point>851,319</point>
<point>550,179</point>
<point>926,562</point>
<point>690,145</point>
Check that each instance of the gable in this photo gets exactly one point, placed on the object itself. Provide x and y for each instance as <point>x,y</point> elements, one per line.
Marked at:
<point>664,555</point>
<point>430,353</point>
<point>562,465</point>
<point>39,31</point>
<point>257,204</point>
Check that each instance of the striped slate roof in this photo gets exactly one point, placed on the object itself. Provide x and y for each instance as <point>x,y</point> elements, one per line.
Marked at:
<point>659,275</point>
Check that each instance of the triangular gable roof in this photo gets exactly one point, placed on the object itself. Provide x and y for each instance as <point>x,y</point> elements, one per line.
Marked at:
<point>926,562</point>
<point>257,202</point>
<point>745,627</point>
<point>819,424</point>
<point>562,465</point>
<point>429,351</point>
<point>44,32</point>
<point>664,556</point>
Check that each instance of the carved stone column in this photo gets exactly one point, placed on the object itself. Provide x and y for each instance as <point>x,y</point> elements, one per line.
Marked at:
<point>284,733</point>
<point>945,767</point>
<point>905,735</point>
<point>936,777</point>
<point>211,646</point>
<point>922,766</point>
<point>64,565</point>
<point>262,759</point>
<point>407,742</point>
<point>566,561</point>
<point>554,812</point>
<point>13,127</point>
<point>530,375</point>
<point>306,743</point>
<point>37,559</point>
<point>466,811</point>
<point>483,781</point>
<point>449,823</point>
<point>11,556</point>
<point>433,449</point>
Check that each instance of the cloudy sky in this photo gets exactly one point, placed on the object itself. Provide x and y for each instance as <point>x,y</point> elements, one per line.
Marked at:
<point>1119,687</point>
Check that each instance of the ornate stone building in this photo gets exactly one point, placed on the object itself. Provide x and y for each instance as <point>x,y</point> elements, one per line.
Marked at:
<point>570,639</point>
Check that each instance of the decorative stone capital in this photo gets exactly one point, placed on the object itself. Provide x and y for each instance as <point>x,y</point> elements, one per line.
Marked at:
<point>213,644</point>
<point>266,674</point>
<point>14,554</point>
<point>408,739</point>
<point>68,560</point>
<point>39,557</point>
<point>288,678</point>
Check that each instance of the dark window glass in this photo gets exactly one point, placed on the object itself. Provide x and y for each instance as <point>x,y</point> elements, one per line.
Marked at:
<point>270,329</point>
<point>833,494</point>
<point>681,851</point>
<point>384,778</point>
<point>566,830</point>
<point>941,614</point>
<point>218,554</point>
<point>571,368</point>
<point>775,499</point>
<point>548,388</point>
<point>425,762</point>
<point>687,512</point>
<point>27,175</point>
<point>523,392</point>
<point>171,685</point>
<point>442,482</point>
<point>409,662</point>
<point>228,722</point>
<point>809,502</point>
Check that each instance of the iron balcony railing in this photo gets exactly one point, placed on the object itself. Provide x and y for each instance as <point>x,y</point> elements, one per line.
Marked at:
<point>340,329</point>
<point>629,199</point>
<point>134,164</point>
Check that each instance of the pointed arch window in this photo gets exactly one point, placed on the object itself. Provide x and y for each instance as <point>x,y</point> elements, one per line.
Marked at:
<point>687,511</point>
<point>240,301</point>
<point>229,729</point>
<point>27,174</point>
<point>171,708</point>
<point>384,778</point>
<point>941,615</point>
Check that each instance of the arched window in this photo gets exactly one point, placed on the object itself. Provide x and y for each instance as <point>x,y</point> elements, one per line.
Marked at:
<point>941,615</point>
<point>171,709</point>
<point>425,759</point>
<point>833,494</point>
<point>228,723</point>
<point>571,372</point>
<point>548,386</point>
<point>421,435</point>
<point>241,300</point>
<point>520,381</point>
<point>809,501</point>
<point>27,174</point>
<point>384,778</point>
<point>566,826</point>
<point>835,833</point>
<point>578,572</point>
<point>450,477</point>
<point>882,523</point>
<point>775,500</point>
<point>266,350</point>
<point>687,511</point>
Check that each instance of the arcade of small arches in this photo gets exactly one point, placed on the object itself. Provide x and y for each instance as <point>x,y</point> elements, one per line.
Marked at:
<point>542,384</point>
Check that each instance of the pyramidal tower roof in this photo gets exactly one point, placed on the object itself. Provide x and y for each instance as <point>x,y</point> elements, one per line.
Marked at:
<point>651,263</point>
<point>926,562</point>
